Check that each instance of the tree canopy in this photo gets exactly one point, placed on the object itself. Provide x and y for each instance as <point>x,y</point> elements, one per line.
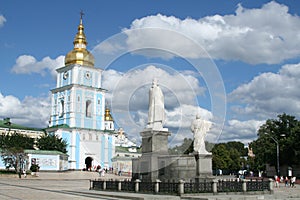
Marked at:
<point>285,130</point>
<point>16,140</point>
<point>12,148</point>
<point>187,147</point>
<point>52,142</point>
<point>229,156</point>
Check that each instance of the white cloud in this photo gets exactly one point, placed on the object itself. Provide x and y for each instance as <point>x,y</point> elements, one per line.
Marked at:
<point>243,131</point>
<point>183,115</point>
<point>234,130</point>
<point>27,64</point>
<point>108,48</point>
<point>2,20</point>
<point>32,112</point>
<point>132,88</point>
<point>270,94</point>
<point>180,119</point>
<point>269,34</point>
<point>129,97</point>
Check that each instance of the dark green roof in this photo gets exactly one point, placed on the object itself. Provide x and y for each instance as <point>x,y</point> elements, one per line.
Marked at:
<point>125,149</point>
<point>7,124</point>
<point>116,158</point>
<point>66,126</point>
<point>109,131</point>
<point>61,126</point>
<point>44,152</point>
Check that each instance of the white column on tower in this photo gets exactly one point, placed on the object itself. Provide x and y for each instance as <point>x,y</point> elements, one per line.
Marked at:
<point>72,155</point>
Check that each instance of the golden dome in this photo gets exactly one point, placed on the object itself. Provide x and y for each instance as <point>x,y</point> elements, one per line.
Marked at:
<point>107,115</point>
<point>79,55</point>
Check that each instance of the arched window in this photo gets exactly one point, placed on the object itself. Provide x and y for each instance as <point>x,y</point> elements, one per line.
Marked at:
<point>88,108</point>
<point>61,107</point>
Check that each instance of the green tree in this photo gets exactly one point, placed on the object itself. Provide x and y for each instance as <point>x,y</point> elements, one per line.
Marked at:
<point>16,140</point>
<point>252,165</point>
<point>185,148</point>
<point>286,131</point>
<point>228,156</point>
<point>209,146</point>
<point>220,157</point>
<point>12,149</point>
<point>52,142</point>
<point>240,147</point>
<point>13,157</point>
<point>236,160</point>
<point>189,145</point>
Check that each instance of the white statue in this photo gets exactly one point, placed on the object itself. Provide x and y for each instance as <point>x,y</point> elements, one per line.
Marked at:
<point>200,127</point>
<point>156,114</point>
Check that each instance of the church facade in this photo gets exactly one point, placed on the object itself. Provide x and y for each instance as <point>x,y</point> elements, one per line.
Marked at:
<point>78,113</point>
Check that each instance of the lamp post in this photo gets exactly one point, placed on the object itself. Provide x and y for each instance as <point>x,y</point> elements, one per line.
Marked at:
<point>277,152</point>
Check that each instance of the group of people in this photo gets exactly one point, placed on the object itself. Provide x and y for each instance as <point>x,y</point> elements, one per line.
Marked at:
<point>288,182</point>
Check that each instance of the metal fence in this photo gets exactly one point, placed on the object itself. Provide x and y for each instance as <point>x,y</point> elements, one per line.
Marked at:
<point>128,186</point>
<point>112,185</point>
<point>256,185</point>
<point>97,185</point>
<point>168,187</point>
<point>230,186</point>
<point>181,187</point>
<point>146,186</point>
<point>198,187</point>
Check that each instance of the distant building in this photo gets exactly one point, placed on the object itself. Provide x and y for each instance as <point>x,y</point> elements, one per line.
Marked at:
<point>7,127</point>
<point>108,121</point>
<point>126,150</point>
<point>47,160</point>
<point>122,140</point>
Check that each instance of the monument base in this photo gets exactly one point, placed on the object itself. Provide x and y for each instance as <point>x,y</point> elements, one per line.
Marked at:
<point>154,145</point>
<point>150,167</point>
<point>203,166</point>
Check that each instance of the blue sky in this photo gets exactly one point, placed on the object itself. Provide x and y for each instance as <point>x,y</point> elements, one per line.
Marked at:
<point>248,48</point>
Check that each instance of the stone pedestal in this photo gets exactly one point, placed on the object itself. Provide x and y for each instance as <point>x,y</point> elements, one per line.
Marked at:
<point>154,145</point>
<point>155,141</point>
<point>203,166</point>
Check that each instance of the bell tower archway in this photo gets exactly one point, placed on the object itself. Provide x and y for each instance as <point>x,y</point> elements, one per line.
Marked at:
<point>88,163</point>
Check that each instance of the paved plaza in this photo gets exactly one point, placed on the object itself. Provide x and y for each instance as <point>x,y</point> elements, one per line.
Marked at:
<point>75,185</point>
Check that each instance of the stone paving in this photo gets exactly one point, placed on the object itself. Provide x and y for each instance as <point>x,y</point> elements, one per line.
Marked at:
<point>75,185</point>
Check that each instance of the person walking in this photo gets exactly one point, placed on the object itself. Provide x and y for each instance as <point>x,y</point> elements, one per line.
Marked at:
<point>286,181</point>
<point>277,180</point>
<point>293,180</point>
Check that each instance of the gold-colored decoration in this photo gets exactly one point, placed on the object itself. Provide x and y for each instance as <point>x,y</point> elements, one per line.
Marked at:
<point>107,115</point>
<point>79,55</point>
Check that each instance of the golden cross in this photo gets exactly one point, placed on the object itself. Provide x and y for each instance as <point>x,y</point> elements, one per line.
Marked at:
<point>81,14</point>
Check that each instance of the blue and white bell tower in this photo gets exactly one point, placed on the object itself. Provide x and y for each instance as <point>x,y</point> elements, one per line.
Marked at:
<point>78,108</point>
